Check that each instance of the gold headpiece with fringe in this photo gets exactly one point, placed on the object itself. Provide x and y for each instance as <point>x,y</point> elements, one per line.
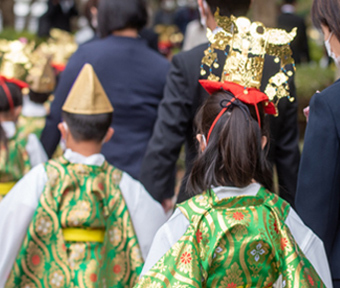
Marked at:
<point>41,78</point>
<point>87,95</point>
<point>15,61</point>
<point>245,45</point>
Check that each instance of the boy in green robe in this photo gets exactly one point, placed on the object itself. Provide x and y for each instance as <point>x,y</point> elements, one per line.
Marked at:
<point>79,222</point>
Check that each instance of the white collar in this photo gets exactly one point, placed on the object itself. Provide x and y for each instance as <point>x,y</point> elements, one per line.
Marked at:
<point>226,192</point>
<point>9,128</point>
<point>216,30</point>
<point>31,109</point>
<point>74,157</point>
<point>288,8</point>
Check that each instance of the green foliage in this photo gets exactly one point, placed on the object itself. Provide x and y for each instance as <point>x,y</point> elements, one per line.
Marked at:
<point>316,51</point>
<point>12,34</point>
<point>309,79</point>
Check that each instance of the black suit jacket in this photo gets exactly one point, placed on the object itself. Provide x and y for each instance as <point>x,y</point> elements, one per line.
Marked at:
<point>299,45</point>
<point>318,190</point>
<point>183,95</point>
<point>133,76</point>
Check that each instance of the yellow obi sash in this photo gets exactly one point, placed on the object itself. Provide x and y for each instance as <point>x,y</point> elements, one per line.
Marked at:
<point>6,187</point>
<point>83,235</point>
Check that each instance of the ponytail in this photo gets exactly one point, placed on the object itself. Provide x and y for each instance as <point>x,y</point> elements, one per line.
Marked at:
<point>234,154</point>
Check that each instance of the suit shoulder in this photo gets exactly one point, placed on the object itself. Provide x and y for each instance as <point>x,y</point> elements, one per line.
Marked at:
<point>193,54</point>
<point>331,94</point>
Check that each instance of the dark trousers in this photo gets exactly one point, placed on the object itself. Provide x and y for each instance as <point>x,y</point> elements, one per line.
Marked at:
<point>336,283</point>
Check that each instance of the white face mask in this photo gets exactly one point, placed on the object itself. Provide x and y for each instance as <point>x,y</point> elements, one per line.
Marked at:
<point>202,16</point>
<point>330,52</point>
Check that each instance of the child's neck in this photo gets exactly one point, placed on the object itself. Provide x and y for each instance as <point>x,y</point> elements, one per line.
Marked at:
<point>6,117</point>
<point>85,148</point>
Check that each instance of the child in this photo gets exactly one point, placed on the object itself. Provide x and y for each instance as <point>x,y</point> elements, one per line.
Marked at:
<point>88,224</point>
<point>41,80</point>
<point>17,155</point>
<point>236,233</point>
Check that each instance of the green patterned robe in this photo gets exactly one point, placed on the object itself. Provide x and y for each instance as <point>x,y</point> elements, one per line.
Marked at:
<point>30,125</point>
<point>87,197</point>
<point>14,161</point>
<point>234,242</point>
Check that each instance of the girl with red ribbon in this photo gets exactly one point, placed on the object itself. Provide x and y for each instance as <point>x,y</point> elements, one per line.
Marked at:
<point>17,155</point>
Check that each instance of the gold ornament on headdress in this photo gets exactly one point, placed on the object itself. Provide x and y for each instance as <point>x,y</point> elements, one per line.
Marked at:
<point>87,95</point>
<point>61,45</point>
<point>245,45</point>
<point>15,62</point>
<point>41,78</point>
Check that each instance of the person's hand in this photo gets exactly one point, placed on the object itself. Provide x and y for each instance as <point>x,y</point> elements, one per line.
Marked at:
<point>306,112</point>
<point>167,204</point>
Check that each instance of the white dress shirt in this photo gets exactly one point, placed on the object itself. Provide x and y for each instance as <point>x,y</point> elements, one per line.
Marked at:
<point>32,109</point>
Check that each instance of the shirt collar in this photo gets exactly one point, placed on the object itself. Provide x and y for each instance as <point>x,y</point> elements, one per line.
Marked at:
<point>31,109</point>
<point>74,157</point>
<point>9,128</point>
<point>226,192</point>
<point>287,8</point>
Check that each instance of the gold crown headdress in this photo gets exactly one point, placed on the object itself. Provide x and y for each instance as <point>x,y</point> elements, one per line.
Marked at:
<point>41,78</point>
<point>15,62</point>
<point>61,45</point>
<point>245,45</point>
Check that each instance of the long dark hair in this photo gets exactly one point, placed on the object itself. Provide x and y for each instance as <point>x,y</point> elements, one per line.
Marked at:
<point>326,12</point>
<point>16,95</point>
<point>234,154</point>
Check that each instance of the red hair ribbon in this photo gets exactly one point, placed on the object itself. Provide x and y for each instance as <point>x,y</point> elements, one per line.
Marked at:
<point>218,117</point>
<point>7,92</point>
<point>251,96</point>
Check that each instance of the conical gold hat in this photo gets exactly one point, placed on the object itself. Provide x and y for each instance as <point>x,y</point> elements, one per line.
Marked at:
<point>87,95</point>
<point>41,77</point>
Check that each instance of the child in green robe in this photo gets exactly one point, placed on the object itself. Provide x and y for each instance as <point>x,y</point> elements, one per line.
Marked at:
<point>17,154</point>
<point>233,232</point>
<point>41,80</point>
<point>77,221</point>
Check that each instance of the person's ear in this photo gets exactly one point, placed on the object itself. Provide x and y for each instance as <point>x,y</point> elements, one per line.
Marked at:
<point>264,142</point>
<point>17,111</point>
<point>63,130</point>
<point>201,139</point>
<point>108,135</point>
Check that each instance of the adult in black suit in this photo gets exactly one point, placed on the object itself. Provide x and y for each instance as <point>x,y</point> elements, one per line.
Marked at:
<point>182,97</point>
<point>318,190</point>
<point>288,20</point>
<point>58,15</point>
<point>132,75</point>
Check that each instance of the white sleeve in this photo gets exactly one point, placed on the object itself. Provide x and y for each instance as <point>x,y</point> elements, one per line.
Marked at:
<point>16,212</point>
<point>35,150</point>
<point>311,246</point>
<point>147,215</point>
<point>165,238</point>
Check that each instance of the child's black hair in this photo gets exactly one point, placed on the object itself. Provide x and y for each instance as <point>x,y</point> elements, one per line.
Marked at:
<point>16,95</point>
<point>234,154</point>
<point>39,98</point>
<point>88,127</point>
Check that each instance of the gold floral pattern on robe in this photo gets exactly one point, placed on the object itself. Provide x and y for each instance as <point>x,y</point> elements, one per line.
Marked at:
<point>85,197</point>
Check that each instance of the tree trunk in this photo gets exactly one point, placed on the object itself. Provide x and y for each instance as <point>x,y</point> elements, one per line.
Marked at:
<point>265,11</point>
<point>7,12</point>
<point>29,15</point>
